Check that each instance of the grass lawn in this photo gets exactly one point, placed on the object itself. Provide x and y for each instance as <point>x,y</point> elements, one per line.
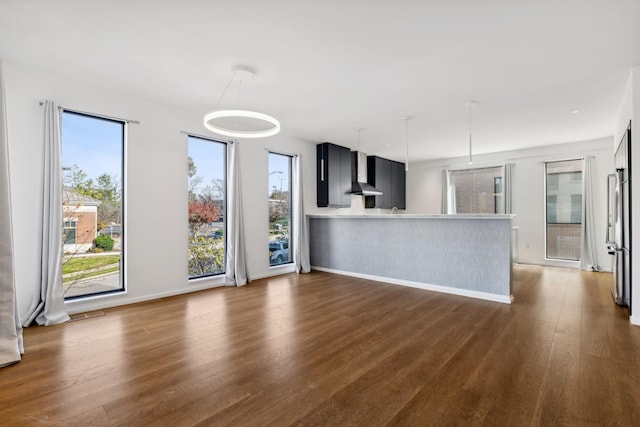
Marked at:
<point>76,264</point>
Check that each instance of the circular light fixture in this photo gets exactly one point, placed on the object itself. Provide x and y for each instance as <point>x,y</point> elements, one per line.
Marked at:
<point>236,132</point>
<point>240,123</point>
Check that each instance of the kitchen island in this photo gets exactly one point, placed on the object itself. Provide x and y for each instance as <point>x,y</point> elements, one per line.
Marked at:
<point>466,255</point>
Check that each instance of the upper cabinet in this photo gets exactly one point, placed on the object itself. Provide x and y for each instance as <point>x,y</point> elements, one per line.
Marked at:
<point>333,175</point>
<point>389,177</point>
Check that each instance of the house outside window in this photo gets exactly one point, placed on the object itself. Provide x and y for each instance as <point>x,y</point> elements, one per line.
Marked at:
<point>476,191</point>
<point>80,217</point>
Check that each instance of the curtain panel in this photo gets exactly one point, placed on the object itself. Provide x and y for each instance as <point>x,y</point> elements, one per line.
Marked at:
<point>48,308</point>
<point>236,265</point>
<point>11,345</point>
<point>588,252</point>
<point>300,225</point>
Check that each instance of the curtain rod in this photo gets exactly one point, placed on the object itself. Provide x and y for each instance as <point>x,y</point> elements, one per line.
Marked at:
<point>226,141</point>
<point>566,159</point>
<point>282,152</point>
<point>101,116</point>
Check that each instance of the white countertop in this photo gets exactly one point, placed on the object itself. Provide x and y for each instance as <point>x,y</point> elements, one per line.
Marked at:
<point>414,216</point>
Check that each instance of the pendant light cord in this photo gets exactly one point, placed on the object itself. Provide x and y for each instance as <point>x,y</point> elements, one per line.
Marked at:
<point>224,92</point>
<point>470,137</point>
<point>406,142</point>
<point>469,105</point>
<point>264,98</point>
<point>406,145</point>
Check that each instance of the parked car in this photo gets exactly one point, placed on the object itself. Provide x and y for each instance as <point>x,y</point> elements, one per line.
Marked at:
<point>278,252</point>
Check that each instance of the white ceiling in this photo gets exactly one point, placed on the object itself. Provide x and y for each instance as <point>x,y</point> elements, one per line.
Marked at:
<point>329,67</point>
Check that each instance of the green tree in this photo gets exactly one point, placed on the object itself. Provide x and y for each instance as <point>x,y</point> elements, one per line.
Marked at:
<point>105,188</point>
<point>74,177</point>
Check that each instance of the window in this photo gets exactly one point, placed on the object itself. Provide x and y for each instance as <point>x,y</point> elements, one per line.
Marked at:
<point>476,191</point>
<point>279,209</point>
<point>92,195</point>
<point>207,187</point>
<point>69,231</point>
<point>563,209</point>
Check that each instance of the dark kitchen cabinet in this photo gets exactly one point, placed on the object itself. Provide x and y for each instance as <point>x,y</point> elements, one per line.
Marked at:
<point>333,175</point>
<point>398,185</point>
<point>390,178</point>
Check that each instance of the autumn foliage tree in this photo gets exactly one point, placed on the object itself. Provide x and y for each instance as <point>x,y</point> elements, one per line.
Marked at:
<point>206,248</point>
<point>202,212</point>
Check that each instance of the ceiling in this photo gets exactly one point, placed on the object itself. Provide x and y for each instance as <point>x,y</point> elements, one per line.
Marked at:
<point>326,68</point>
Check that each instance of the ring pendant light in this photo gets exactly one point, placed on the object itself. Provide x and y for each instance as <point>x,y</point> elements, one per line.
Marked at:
<point>226,122</point>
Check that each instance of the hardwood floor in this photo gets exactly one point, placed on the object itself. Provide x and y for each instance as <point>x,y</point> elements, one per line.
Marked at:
<point>328,350</point>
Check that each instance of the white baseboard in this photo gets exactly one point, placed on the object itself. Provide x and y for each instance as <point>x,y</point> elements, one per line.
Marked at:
<point>275,271</point>
<point>635,320</point>
<point>104,301</point>
<point>435,288</point>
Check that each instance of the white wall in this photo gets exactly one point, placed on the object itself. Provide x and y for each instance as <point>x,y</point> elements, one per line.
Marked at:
<point>156,180</point>
<point>424,191</point>
<point>630,111</point>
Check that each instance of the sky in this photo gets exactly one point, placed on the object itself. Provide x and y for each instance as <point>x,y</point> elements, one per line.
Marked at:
<point>94,144</point>
<point>279,172</point>
<point>209,158</point>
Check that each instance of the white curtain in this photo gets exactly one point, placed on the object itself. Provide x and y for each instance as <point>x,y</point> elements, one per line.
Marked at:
<point>300,226</point>
<point>11,347</point>
<point>588,252</point>
<point>507,188</point>
<point>236,268</point>
<point>445,192</point>
<point>48,307</point>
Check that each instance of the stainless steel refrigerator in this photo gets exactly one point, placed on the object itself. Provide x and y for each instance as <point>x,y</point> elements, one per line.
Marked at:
<point>619,221</point>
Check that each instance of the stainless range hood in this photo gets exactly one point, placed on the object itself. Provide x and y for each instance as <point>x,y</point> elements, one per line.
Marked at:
<point>359,183</point>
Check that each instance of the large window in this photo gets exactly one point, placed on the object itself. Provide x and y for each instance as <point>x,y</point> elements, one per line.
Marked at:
<point>207,187</point>
<point>280,250</point>
<point>92,196</point>
<point>563,209</point>
<point>476,191</point>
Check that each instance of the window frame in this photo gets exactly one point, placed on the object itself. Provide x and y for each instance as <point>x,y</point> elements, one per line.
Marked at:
<point>546,195</point>
<point>451,194</point>
<point>225,174</point>
<point>290,243</point>
<point>74,227</point>
<point>123,197</point>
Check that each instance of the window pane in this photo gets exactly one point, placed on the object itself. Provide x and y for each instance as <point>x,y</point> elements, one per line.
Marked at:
<point>207,187</point>
<point>92,163</point>
<point>477,191</point>
<point>564,209</point>
<point>280,251</point>
<point>69,234</point>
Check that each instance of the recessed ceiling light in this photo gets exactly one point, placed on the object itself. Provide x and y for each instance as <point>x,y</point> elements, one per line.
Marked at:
<point>575,112</point>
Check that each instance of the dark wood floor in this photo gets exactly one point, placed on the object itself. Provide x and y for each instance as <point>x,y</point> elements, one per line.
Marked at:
<point>328,350</point>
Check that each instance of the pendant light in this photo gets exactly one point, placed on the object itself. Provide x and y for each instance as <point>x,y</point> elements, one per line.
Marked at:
<point>406,143</point>
<point>470,104</point>
<point>241,123</point>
